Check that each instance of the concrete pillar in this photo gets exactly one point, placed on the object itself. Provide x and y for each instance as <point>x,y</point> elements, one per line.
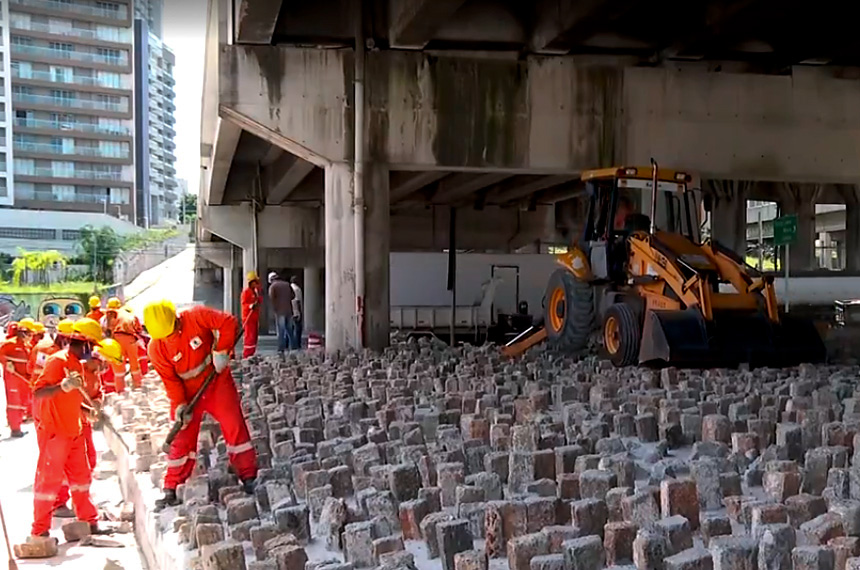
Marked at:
<point>729,213</point>
<point>340,314</point>
<point>314,309</point>
<point>341,329</point>
<point>852,236</point>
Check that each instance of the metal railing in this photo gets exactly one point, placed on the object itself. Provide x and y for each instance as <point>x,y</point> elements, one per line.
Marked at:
<point>73,102</point>
<point>77,173</point>
<point>47,148</point>
<point>51,196</point>
<point>87,57</point>
<point>121,36</point>
<point>62,78</point>
<point>121,13</point>
<point>65,126</point>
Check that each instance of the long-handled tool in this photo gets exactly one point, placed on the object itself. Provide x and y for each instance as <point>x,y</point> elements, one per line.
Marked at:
<point>180,422</point>
<point>102,417</point>
<point>12,564</point>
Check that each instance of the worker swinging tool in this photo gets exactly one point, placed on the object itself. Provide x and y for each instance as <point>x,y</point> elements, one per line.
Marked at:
<point>14,357</point>
<point>190,351</point>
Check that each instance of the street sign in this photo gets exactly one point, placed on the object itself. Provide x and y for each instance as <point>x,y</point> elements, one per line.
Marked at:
<point>785,230</point>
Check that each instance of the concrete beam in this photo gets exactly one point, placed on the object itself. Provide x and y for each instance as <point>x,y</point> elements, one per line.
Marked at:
<point>284,176</point>
<point>459,186</point>
<point>413,22</point>
<point>255,20</point>
<point>219,253</point>
<point>404,184</point>
<point>555,17</point>
<point>277,226</point>
<point>226,141</point>
<point>561,194</point>
<point>514,191</point>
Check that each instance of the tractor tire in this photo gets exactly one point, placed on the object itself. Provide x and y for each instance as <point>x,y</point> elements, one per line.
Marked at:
<point>569,311</point>
<point>622,335</point>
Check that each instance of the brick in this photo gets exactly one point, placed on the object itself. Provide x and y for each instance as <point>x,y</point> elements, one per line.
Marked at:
<point>286,557</point>
<point>676,529</point>
<point>568,486</point>
<point>522,549</point>
<point>734,553</point>
<point>358,543</point>
<point>691,559</point>
<point>714,524</point>
<point>449,476</point>
<point>822,528</point>
<point>812,558</point>
<point>594,483</point>
<point>803,508</point>
<point>679,497</point>
<point>209,534</point>
<point>613,502</point>
<point>494,536</point>
<point>646,427</point>
<point>650,548</point>
<point>429,531</point>
<point>453,537</point>
<point>411,514</point>
<point>589,515</point>
<point>844,547</point>
<point>76,530</point>
<point>547,562</point>
<point>641,508</point>
<point>775,545</point>
<point>471,560</point>
<point>385,545</point>
<point>716,427</point>
<point>558,534</point>
<point>404,480</point>
<point>225,556</point>
<point>584,553</point>
<point>618,542</point>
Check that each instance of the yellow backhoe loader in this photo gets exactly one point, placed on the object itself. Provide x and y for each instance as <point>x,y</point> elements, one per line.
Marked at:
<point>661,295</point>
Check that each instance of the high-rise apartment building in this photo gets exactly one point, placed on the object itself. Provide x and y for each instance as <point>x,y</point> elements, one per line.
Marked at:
<point>154,123</point>
<point>72,81</point>
<point>6,175</point>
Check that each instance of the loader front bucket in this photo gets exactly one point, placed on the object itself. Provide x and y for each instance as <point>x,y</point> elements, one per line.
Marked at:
<point>685,339</point>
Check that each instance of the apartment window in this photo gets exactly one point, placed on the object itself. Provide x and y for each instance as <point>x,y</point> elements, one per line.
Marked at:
<point>108,7</point>
<point>64,49</point>
<point>110,54</point>
<point>25,166</point>
<point>22,90</point>
<point>22,69</point>
<point>114,125</point>
<point>20,20</point>
<point>58,26</point>
<point>120,196</point>
<point>63,169</point>
<point>4,192</point>
<point>63,192</point>
<point>63,121</point>
<point>21,41</point>
<point>62,96</point>
<point>27,233</point>
<point>113,149</point>
<point>62,74</point>
<point>109,34</point>
<point>107,79</point>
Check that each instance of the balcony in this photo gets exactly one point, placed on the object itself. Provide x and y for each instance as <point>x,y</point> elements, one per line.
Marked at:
<point>47,148</point>
<point>62,78</point>
<point>82,56</point>
<point>74,103</point>
<point>76,173</point>
<point>80,127</point>
<point>122,36</point>
<point>51,196</point>
<point>121,13</point>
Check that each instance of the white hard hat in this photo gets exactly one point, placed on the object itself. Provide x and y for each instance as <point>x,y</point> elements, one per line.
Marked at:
<point>272,276</point>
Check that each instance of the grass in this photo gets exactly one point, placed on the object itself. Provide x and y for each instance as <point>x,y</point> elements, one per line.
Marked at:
<point>72,287</point>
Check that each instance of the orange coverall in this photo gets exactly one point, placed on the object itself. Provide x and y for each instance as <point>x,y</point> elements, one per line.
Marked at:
<point>63,448</point>
<point>251,297</point>
<point>184,360</point>
<point>125,328</point>
<point>96,315</point>
<point>14,356</point>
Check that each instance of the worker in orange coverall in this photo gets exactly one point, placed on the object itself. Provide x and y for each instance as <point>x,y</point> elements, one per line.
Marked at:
<point>142,342</point>
<point>14,356</point>
<point>38,358</point>
<point>63,413</point>
<point>252,300</point>
<point>95,313</point>
<point>184,350</point>
<point>125,329</point>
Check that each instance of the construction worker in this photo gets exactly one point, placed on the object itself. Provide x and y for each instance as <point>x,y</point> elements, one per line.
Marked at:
<point>95,313</point>
<point>14,356</point>
<point>142,342</point>
<point>39,331</point>
<point>38,358</point>
<point>60,389</point>
<point>185,349</point>
<point>125,329</point>
<point>252,300</point>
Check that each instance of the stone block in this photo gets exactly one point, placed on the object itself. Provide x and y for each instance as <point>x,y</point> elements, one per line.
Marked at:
<point>646,427</point>
<point>429,531</point>
<point>594,483</point>
<point>676,529</point>
<point>822,528</point>
<point>734,553</point>
<point>411,515</point>
<point>558,534</point>
<point>471,560</point>
<point>568,486</point>
<point>468,494</point>
<point>540,512</point>
<point>450,475</point>
<point>259,535</point>
<point>296,520</point>
<point>76,530</point>
<point>849,511</point>
<point>618,542</point>
<point>779,486</point>
<point>287,557</point>
<point>650,549</point>
<point>385,545</point>
<point>522,470</point>
<point>522,549</point>
<point>776,542</point>
<point>716,428</point>
<point>585,553</point>
<point>613,502</point>
<point>358,543</point>
<point>589,515</point>
<point>547,562</point>
<point>692,559</point>
<point>679,497</point>
<point>226,556</point>
<point>404,481</point>
<point>641,508</point>
<point>812,558</point>
<point>453,536</point>
<point>714,524</point>
<point>844,547</point>
<point>803,508</point>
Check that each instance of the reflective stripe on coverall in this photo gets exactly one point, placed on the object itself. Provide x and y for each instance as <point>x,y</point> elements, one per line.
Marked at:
<point>251,296</point>
<point>14,357</point>
<point>183,360</point>
<point>62,453</point>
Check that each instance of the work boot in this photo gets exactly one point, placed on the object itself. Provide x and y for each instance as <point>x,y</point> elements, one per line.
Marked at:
<point>18,433</point>
<point>64,512</point>
<point>169,500</point>
<point>249,486</point>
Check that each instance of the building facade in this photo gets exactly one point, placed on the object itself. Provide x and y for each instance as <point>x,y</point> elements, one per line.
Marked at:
<point>6,175</point>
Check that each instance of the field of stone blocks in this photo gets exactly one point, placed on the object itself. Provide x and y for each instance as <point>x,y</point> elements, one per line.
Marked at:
<point>426,457</point>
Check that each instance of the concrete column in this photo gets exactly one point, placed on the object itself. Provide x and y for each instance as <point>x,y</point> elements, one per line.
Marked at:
<point>229,293</point>
<point>377,314</point>
<point>852,236</point>
<point>314,309</point>
<point>803,250</point>
<point>340,314</point>
<point>728,219</point>
<point>340,293</point>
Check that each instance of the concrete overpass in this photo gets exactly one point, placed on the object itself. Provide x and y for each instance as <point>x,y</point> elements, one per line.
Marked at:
<point>317,154</point>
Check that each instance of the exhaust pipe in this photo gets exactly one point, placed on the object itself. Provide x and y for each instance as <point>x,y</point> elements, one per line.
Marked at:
<point>653,195</point>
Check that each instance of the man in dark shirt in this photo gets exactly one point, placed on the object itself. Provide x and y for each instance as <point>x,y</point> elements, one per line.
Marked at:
<point>281,296</point>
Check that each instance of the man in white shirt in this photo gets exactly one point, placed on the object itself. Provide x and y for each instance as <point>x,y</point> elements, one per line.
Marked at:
<point>298,312</point>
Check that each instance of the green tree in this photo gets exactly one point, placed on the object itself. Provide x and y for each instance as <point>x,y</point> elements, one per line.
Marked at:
<point>100,247</point>
<point>189,208</point>
<point>38,263</point>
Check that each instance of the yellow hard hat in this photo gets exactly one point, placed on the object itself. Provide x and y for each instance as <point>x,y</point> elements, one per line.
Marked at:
<point>252,276</point>
<point>88,329</point>
<point>114,303</point>
<point>110,350</point>
<point>66,327</point>
<point>27,324</point>
<point>159,317</point>
<point>39,327</point>
<point>95,302</point>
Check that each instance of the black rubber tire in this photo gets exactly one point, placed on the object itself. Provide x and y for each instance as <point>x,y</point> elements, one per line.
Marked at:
<point>629,334</point>
<point>578,320</point>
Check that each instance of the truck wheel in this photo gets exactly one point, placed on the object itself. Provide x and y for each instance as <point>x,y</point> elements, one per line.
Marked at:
<point>622,334</point>
<point>569,311</point>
